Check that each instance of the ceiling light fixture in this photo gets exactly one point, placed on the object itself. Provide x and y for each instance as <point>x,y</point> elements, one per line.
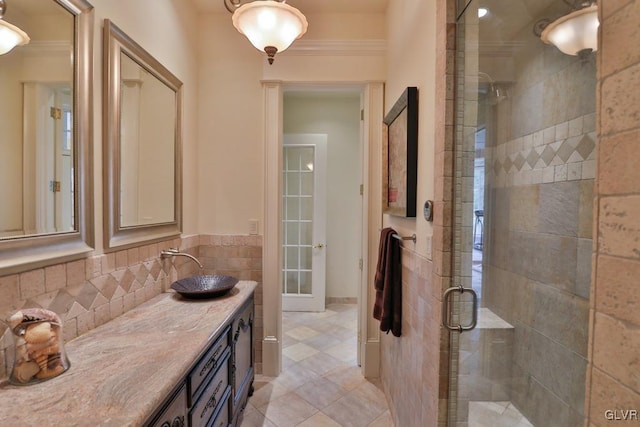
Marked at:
<point>10,35</point>
<point>482,12</point>
<point>271,26</point>
<point>575,33</point>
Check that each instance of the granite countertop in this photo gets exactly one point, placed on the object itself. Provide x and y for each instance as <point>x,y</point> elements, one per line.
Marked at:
<point>123,370</point>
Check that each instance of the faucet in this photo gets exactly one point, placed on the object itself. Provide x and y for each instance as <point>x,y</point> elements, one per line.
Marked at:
<point>171,252</point>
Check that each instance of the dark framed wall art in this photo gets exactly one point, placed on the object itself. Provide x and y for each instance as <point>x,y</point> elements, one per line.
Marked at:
<point>400,156</point>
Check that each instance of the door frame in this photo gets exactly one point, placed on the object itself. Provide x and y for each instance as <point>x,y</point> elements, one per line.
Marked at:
<point>371,142</point>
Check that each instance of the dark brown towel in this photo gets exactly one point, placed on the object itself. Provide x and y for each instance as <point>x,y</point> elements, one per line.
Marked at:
<point>388,284</point>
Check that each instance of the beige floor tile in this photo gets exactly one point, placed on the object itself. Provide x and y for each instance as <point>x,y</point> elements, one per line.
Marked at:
<point>322,341</point>
<point>298,352</point>
<point>354,410</point>
<point>342,333</point>
<point>319,420</point>
<point>302,333</point>
<point>288,410</point>
<point>372,392</point>
<point>320,384</point>
<point>295,376</point>
<point>256,419</point>
<point>322,363</point>
<point>348,377</point>
<point>383,420</point>
<point>267,392</point>
<point>344,351</point>
<point>321,392</point>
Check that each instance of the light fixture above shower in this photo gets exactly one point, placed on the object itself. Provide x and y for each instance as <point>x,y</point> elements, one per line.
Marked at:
<point>575,33</point>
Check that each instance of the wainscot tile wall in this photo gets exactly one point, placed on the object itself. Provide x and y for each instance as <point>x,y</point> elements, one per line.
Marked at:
<point>88,293</point>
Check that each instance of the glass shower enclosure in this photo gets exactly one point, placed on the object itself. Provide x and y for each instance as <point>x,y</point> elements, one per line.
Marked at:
<point>525,167</point>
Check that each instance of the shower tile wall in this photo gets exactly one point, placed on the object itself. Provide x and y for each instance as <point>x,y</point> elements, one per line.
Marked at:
<point>537,267</point>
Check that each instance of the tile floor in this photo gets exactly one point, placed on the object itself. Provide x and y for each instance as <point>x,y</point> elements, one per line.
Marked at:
<point>497,414</point>
<point>321,383</point>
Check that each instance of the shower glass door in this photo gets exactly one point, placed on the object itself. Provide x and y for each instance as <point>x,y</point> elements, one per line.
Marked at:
<point>525,138</point>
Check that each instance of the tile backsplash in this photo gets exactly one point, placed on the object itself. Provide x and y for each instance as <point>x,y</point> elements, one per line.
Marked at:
<point>89,292</point>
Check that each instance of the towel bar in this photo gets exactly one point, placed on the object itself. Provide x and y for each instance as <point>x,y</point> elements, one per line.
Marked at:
<point>412,237</point>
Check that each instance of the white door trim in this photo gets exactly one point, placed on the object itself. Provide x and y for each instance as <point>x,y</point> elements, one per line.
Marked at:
<point>272,241</point>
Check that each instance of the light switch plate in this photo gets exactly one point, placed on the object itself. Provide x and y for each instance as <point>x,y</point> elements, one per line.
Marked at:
<point>253,226</point>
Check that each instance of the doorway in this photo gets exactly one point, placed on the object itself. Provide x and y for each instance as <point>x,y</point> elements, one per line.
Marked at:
<point>315,121</point>
<point>525,159</point>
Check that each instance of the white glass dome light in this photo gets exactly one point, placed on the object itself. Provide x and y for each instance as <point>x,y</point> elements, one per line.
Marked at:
<point>270,26</point>
<point>575,33</point>
<point>10,35</point>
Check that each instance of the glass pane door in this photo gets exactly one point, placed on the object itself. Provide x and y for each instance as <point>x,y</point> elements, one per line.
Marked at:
<point>297,219</point>
<point>304,222</point>
<point>524,194</point>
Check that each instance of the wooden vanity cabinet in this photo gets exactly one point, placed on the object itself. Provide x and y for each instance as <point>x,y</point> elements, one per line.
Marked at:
<point>242,354</point>
<point>215,391</point>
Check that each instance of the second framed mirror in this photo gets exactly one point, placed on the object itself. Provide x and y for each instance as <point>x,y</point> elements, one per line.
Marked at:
<point>142,151</point>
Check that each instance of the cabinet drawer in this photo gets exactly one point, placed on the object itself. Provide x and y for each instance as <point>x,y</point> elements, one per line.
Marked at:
<point>222,417</point>
<point>206,405</point>
<point>208,363</point>
<point>174,413</point>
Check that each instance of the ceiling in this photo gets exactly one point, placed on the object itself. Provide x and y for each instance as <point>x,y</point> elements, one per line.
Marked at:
<point>309,6</point>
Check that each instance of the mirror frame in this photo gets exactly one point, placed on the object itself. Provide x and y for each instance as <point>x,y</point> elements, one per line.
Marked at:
<point>115,43</point>
<point>18,254</point>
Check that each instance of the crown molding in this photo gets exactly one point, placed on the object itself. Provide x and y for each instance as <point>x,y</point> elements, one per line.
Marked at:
<point>338,47</point>
<point>50,48</point>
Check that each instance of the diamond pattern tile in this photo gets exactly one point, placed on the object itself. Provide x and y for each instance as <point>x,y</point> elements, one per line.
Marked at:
<point>586,146</point>
<point>565,151</point>
<point>325,388</point>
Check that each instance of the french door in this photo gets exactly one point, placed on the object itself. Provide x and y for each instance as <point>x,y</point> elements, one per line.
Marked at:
<point>304,222</point>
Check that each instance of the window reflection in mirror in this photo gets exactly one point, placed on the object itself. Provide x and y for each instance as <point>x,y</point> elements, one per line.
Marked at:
<point>147,138</point>
<point>46,133</point>
<point>36,118</point>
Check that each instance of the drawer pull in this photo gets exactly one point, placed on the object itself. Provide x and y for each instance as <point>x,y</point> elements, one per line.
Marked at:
<point>213,360</point>
<point>244,326</point>
<point>177,422</point>
<point>212,402</point>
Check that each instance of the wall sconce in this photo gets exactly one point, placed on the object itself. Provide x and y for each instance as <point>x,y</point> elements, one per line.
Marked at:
<point>271,26</point>
<point>10,35</point>
<point>575,33</point>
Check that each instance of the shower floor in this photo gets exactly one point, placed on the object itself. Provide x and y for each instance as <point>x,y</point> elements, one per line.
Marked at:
<point>496,414</point>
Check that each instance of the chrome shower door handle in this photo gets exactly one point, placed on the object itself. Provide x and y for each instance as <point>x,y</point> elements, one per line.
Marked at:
<point>446,296</point>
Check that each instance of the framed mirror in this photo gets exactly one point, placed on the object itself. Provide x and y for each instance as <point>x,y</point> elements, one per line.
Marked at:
<point>142,151</point>
<point>46,214</point>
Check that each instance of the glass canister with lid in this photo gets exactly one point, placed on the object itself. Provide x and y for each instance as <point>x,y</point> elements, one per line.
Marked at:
<point>39,346</point>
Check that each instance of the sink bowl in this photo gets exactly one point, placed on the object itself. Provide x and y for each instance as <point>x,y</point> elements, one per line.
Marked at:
<point>207,286</point>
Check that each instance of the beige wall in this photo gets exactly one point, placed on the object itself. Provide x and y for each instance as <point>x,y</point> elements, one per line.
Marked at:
<point>613,377</point>
<point>411,29</point>
<point>230,108</point>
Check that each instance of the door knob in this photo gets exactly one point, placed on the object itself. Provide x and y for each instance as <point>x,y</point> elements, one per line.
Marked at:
<point>318,246</point>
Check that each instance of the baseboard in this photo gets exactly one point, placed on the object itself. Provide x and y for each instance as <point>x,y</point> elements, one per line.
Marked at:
<point>271,357</point>
<point>341,300</point>
<point>371,362</point>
